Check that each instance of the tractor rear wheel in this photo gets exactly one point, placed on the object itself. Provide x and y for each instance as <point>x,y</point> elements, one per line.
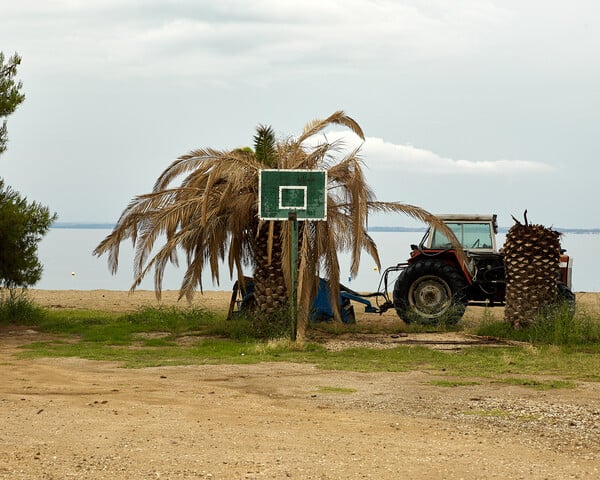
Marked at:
<point>430,292</point>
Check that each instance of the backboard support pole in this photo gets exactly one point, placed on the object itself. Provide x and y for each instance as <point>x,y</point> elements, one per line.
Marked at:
<point>293,223</point>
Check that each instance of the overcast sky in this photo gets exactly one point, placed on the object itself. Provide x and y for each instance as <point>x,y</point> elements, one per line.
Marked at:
<point>468,106</point>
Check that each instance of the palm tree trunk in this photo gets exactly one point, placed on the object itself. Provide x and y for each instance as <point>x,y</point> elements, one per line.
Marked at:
<point>531,260</point>
<point>270,288</point>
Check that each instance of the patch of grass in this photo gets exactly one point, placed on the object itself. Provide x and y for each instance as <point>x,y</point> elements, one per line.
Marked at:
<point>255,325</point>
<point>487,413</point>
<point>335,328</point>
<point>209,338</point>
<point>205,351</point>
<point>447,321</point>
<point>560,326</point>
<point>478,362</point>
<point>547,360</point>
<point>158,342</point>
<point>557,326</point>
<point>338,328</point>
<point>341,390</point>
<point>119,329</point>
<point>453,383</point>
<point>537,384</point>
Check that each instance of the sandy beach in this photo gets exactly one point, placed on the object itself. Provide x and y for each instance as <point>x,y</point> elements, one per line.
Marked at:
<point>218,300</point>
<point>122,301</point>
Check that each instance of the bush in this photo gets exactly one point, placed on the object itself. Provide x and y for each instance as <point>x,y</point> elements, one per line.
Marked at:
<point>17,308</point>
<point>256,325</point>
<point>558,325</point>
<point>561,326</point>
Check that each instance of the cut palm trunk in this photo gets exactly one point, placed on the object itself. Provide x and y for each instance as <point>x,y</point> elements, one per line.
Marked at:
<point>531,261</point>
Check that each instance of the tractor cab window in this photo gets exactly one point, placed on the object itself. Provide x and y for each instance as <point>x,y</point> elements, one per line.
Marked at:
<point>470,235</point>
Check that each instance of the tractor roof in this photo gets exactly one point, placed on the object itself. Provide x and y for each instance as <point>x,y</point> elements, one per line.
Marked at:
<point>461,217</point>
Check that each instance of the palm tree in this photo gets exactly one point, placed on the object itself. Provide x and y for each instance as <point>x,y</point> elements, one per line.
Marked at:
<point>212,216</point>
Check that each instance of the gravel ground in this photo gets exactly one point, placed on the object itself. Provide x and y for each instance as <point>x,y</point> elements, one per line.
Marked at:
<point>72,418</point>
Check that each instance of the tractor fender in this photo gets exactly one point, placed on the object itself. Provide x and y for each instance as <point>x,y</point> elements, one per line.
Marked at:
<point>449,257</point>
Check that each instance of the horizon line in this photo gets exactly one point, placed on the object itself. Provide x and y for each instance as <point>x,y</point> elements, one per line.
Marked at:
<point>375,228</point>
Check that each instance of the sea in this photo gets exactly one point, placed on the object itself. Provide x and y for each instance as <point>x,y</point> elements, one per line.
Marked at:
<point>66,253</point>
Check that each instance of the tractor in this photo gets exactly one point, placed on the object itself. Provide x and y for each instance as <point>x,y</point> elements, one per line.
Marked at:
<point>434,285</point>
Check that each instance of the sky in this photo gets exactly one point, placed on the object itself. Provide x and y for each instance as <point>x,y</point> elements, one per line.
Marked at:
<point>468,106</point>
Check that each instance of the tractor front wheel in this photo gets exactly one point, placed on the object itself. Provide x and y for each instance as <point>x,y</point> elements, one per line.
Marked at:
<point>430,292</point>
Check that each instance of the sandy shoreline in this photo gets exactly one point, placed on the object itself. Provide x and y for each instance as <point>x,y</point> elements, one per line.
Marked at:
<point>218,301</point>
<point>123,301</point>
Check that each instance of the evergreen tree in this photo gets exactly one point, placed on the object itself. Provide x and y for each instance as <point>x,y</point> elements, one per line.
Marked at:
<point>10,93</point>
<point>22,223</point>
<point>22,226</point>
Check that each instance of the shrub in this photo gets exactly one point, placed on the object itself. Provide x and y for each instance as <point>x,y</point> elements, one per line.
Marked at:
<point>256,325</point>
<point>558,325</point>
<point>17,308</point>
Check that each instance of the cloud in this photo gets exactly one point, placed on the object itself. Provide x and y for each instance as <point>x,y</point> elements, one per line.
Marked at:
<point>266,40</point>
<point>388,156</point>
<point>246,40</point>
<point>382,156</point>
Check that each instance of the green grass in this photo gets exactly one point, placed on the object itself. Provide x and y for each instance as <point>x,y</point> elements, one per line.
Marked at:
<point>555,327</point>
<point>114,329</point>
<point>479,362</point>
<point>204,351</point>
<point>255,325</point>
<point>123,329</point>
<point>538,384</point>
<point>338,390</point>
<point>175,336</point>
<point>471,362</point>
<point>334,328</point>
<point>454,383</point>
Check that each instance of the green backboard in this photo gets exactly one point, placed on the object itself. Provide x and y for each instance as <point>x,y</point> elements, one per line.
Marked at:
<point>284,191</point>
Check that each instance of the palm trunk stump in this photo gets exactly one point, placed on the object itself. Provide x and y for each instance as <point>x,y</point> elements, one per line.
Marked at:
<point>531,261</point>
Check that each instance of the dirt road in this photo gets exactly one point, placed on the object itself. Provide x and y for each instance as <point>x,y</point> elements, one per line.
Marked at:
<point>72,418</point>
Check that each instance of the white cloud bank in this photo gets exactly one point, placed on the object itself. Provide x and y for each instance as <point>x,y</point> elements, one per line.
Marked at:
<point>206,39</point>
<point>379,154</point>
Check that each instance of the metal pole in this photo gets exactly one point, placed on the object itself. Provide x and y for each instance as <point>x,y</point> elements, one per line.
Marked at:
<point>293,221</point>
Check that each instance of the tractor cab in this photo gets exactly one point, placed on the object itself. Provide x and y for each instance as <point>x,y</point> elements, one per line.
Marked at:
<point>477,236</point>
<point>476,233</point>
